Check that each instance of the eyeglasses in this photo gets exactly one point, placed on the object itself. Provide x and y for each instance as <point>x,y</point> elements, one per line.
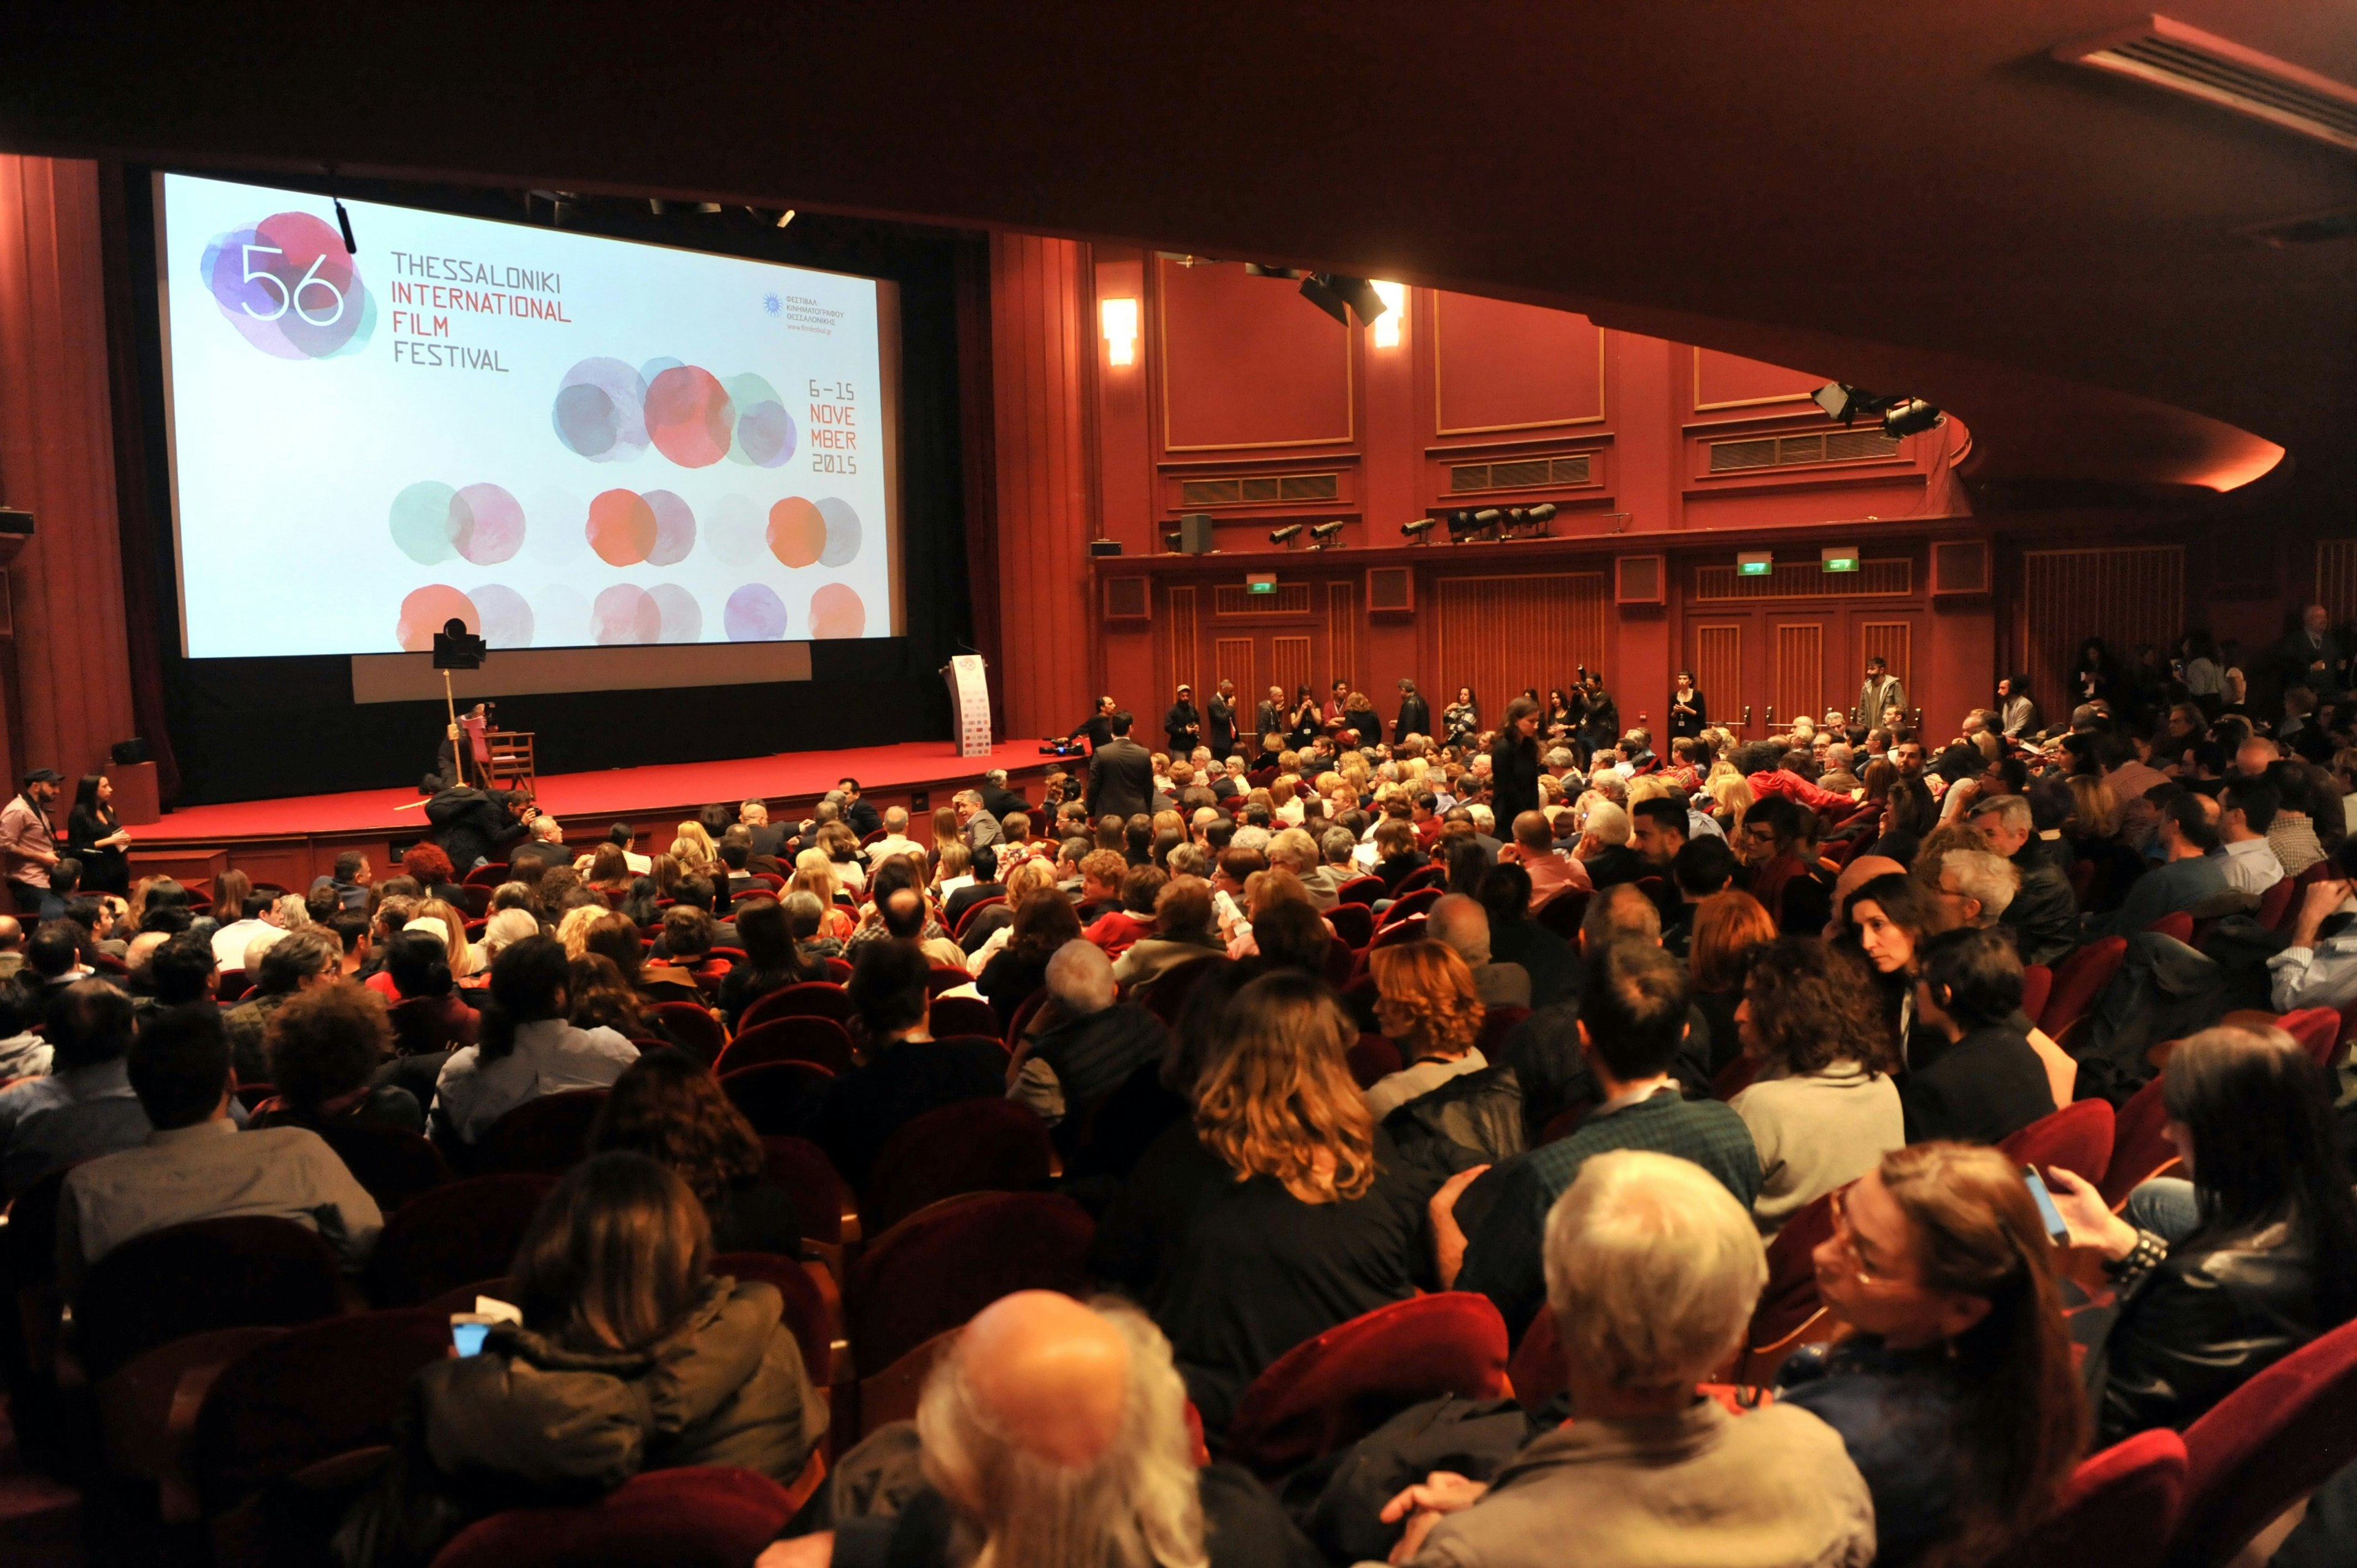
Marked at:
<point>1845,1237</point>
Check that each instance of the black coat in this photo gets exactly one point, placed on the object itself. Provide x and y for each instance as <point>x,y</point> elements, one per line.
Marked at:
<point>1221,716</point>
<point>469,826</point>
<point>998,802</point>
<point>1183,727</point>
<point>1983,1089</point>
<point>1269,718</point>
<point>1096,729</point>
<point>864,819</point>
<point>2044,914</point>
<point>1414,717</point>
<point>1689,724</point>
<point>1515,779</point>
<point>1121,779</point>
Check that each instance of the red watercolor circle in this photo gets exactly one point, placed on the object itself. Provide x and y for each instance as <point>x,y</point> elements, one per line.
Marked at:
<point>837,611</point>
<point>621,527</point>
<point>797,531</point>
<point>689,416</point>
<point>426,611</point>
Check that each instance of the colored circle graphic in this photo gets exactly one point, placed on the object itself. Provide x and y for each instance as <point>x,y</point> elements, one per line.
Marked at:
<point>290,288</point>
<point>754,614</point>
<point>491,527</point>
<point>680,616</point>
<point>426,610</point>
<point>734,532</point>
<point>837,611</point>
<point>507,619</point>
<point>766,436</point>
<point>426,519</point>
<point>797,531</point>
<point>625,614</point>
<point>841,533</point>
<point>621,527</point>
<point>600,411</point>
<point>674,529</point>
<point>689,416</point>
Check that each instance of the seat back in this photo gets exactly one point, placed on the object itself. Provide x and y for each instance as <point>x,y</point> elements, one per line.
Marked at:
<point>781,1098</point>
<point>1408,904</point>
<point>1373,1058</point>
<point>966,918</point>
<point>2177,924</point>
<point>549,1134</point>
<point>2116,1510</point>
<point>695,1517</point>
<point>1330,1390</point>
<point>804,1037</point>
<point>230,986</point>
<point>2037,985</point>
<point>1020,1019</point>
<point>314,1392</point>
<point>1391,933</point>
<point>2078,1138</point>
<point>2079,980</point>
<point>822,998</point>
<point>1165,994</point>
<point>971,1145</point>
<point>961,1015</point>
<point>422,1025</point>
<point>694,1027</point>
<point>468,1231</point>
<point>807,1176</point>
<point>2266,1444</point>
<point>1353,922</point>
<point>2318,1029</point>
<point>394,1165</point>
<point>2277,904</point>
<point>234,1272</point>
<point>1428,876</point>
<point>1790,1300</point>
<point>935,1270</point>
<point>1361,890</point>
<point>2141,1145</point>
<point>1341,962</point>
<point>1563,913</point>
<point>1497,1023</point>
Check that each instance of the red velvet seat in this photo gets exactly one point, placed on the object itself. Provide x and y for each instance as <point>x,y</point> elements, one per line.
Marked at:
<point>966,920</point>
<point>485,877</point>
<point>1391,933</point>
<point>961,1015</point>
<point>1537,1367</point>
<point>2318,1029</point>
<point>1361,890</point>
<point>550,1135</point>
<point>1334,1389</point>
<point>940,977</point>
<point>2078,1138</point>
<point>820,1195</point>
<point>805,1037</point>
<point>694,1027</point>
<point>230,986</point>
<point>2082,876</point>
<point>188,1279</point>
<point>819,998</point>
<point>2079,980</point>
<point>1353,922</point>
<point>2263,1446</point>
<point>781,1098</point>
<point>697,1518</point>
<point>1373,1058</point>
<point>2141,1145</point>
<point>1497,1023</point>
<point>423,1025</point>
<point>2177,924</point>
<point>1406,905</point>
<point>2037,985</point>
<point>1167,994</point>
<point>1341,962</point>
<point>465,1231</point>
<point>394,1165</point>
<point>935,1270</point>
<point>1433,876</point>
<point>2280,903</point>
<point>1790,1308</point>
<point>973,1145</point>
<point>2116,1510</point>
<point>1021,1018</point>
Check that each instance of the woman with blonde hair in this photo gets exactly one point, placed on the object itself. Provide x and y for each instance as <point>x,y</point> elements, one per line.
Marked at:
<point>572,929</point>
<point>464,958</point>
<point>692,849</point>
<point>1306,1217</point>
<point>1426,1003</point>
<point>814,875</point>
<point>1731,793</point>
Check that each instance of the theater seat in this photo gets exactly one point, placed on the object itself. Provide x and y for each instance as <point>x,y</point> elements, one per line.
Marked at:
<point>1361,890</point>
<point>1391,933</point>
<point>2079,980</point>
<point>550,1135</point>
<point>2141,1145</point>
<point>2037,985</point>
<point>1165,994</point>
<point>2318,1029</point>
<point>963,1016</point>
<point>1432,876</point>
<point>813,1307</point>
<point>822,998</point>
<point>804,1037</point>
<point>2177,924</point>
<point>1372,1058</point>
<point>1497,1023</point>
<point>2116,1510</point>
<point>973,1145</point>
<point>1790,1311</point>
<point>394,1165</point>
<point>1334,1389</point>
<point>822,1206</point>
<point>936,1269</point>
<point>692,1518</point>
<point>1408,904</point>
<point>1563,913</point>
<point>781,1098</point>
<point>468,1231</point>
<point>694,1027</point>
<point>1353,922</point>
<point>2078,1138</point>
<point>2266,1445</point>
<point>187,1279</point>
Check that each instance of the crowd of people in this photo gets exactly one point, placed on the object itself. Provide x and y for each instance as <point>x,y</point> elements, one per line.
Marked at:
<point>1632,1012</point>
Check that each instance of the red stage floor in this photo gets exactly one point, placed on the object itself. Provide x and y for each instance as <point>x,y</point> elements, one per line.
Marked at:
<point>578,799</point>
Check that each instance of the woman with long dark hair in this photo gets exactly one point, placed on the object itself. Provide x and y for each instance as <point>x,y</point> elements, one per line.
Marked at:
<point>1044,921</point>
<point>771,962</point>
<point>526,1048</point>
<point>2254,1254</point>
<point>1515,763</point>
<point>95,838</point>
<point>1953,1387</point>
<point>1886,920</point>
<point>1908,813</point>
<point>670,1108</point>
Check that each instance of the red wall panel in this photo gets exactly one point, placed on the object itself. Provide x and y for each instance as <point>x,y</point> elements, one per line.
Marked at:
<point>1499,366</point>
<point>1729,380</point>
<point>1125,457</point>
<point>1246,363</point>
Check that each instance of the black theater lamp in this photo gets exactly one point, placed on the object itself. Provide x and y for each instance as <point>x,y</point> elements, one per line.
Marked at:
<point>1539,516</point>
<point>1839,400</point>
<point>1487,519</point>
<point>1910,417</point>
<point>1416,528</point>
<point>1323,536</point>
<point>1321,294</point>
<point>1170,541</point>
<point>1286,535</point>
<point>1460,524</point>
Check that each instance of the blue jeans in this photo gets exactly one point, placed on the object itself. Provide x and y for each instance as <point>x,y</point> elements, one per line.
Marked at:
<point>2166,1206</point>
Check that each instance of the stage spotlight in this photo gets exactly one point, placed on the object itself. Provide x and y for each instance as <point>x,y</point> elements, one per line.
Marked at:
<point>1286,535</point>
<point>1543,512</point>
<point>1255,270</point>
<point>1323,535</point>
<point>1461,523</point>
<point>1839,400</point>
<point>656,205</point>
<point>1910,417</point>
<point>1172,541</point>
<point>1415,528</point>
<point>710,208</point>
<point>1319,293</point>
<point>1487,518</point>
<point>1364,301</point>
<point>785,218</point>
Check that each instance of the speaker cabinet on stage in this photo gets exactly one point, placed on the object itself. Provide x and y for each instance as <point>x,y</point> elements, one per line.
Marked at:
<point>1195,533</point>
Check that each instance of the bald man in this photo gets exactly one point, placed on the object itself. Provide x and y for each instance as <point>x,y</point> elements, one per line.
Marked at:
<point>1049,1429</point>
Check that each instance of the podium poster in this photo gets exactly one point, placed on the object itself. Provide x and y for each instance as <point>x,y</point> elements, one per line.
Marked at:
<point>970,703</point>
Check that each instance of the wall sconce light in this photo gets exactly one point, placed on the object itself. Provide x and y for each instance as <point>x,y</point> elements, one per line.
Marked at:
<point>1386,327</point>
<point>1119,319</point>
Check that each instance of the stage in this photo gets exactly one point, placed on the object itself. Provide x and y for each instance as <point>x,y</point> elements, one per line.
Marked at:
<point>291,841</point>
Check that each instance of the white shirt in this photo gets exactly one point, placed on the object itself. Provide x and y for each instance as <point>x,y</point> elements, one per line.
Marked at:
<point>549,1057</point>
<point>890,844</point>
<point>2252,866</point>
<point>229,942</point>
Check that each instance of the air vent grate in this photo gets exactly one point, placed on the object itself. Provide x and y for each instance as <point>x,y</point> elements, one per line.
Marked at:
<point>1259,490</point>
<point>2177,58</point>
<point>1791,451</point>
<point>1308,487</point>
<point>1521,473</point>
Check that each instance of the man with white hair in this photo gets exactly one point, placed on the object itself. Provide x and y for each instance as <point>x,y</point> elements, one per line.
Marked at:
<point>896,839</point>
<point>998,799</point>
<point>1051,1434</point>
<point>1083,1044</point>
<point>1653,1271</point>
<point>1459,923</point>
<point>1603,849</point>
<point>1976,884</point>
<point>1294,850</point>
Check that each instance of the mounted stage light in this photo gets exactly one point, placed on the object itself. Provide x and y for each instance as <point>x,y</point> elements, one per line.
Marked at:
<point>1255,270</point>
<point>1387,325</point>
<point>1488,518</point>
<point>1173,541</point>
<point>1541,515</point>
<point>785,218</point>
<point>1839,400</point>
<point>1461,523</point>
<point>1319,293</point>
<point>1416,528</point>
<point>1910,416</point>
<point>1286,535</point>
<point>1322,537</point>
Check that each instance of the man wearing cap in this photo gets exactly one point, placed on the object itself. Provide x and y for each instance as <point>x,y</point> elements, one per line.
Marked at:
<point>27,848</point>
<point>1183,724</point>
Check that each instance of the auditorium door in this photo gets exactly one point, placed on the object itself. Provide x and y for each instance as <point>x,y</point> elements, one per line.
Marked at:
<point>1760,668</point>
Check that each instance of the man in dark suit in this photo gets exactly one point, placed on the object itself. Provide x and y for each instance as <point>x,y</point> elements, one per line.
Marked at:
<point>1221,713</point>
<point>1097,728</point>
<point>1121,774</point>
<point>1414,714</point>
<point>862,817</point>
<point>2311,656</point>
<point>998,799</point>
<point>768,838</point>
<point>1274,717</point>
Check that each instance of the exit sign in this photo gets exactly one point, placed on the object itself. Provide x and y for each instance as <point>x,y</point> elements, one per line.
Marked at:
<point>1260,583</point>
<point>1840,558</point>
<point>1755,564</point>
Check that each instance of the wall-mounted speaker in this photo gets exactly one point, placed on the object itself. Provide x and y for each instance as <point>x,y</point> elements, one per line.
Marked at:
<point>1195,533</point>
<point>1127,599</point>
<point>1391,591</point>
<point>136,749</point>
<point>1104,546</point>
<point>1960,566</point>
<point>1638,579</point>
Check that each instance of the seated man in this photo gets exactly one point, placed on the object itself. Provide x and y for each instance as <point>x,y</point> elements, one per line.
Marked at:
<point>2044,914</point>
<point>1632,1026</point>
<point>196,1164</point>
<point>906,1071</point>
<point>1652,1274</point>
<point>85,1107</point>
<point>1456,922</point>
<point>1604,849</point>
<point>306,958</point>
<point>1516,938</point>
<point>1083,1044</point>
<point>1702,868</point>
<point>1184,930</point>
<point>1985,1084</point>
<point>350,882</point>
<point>53,958</point>
<point>1533,850</point>
<point>2246,811</point>
<point>2191,877</point>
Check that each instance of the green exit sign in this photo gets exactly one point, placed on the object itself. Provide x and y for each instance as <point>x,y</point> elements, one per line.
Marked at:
<point>1755,564</point>
<point>1259,582</point>
<point>1260,587</point>
<point>1840,557</point>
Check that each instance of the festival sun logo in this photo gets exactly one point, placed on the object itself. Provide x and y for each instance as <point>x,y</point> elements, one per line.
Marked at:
<point>287,285</point>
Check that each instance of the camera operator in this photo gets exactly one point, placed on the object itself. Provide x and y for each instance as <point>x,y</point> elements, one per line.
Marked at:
<point>1097,728</point>
<point>1599,716</point>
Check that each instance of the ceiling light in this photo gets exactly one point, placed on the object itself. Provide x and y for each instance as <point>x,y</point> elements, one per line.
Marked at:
<point>785,218</point>
<point>1393,296</point>
<point>1118,318</point>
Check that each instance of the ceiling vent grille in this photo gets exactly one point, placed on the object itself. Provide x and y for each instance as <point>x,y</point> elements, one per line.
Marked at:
<point>1790,451</point>
<point>1266,489</point>
<point>1522,474</point>
<point>2177,58</point>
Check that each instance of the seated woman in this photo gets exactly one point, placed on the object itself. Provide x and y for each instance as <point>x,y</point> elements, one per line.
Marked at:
<point>1044,921</point>
<point>669,1107</point>
<point>1728,927</point>
<point>1425,1004</point>
<point>597,997</point>
<point>1908,813</point>
<point>463,959</point>
<point>1974,1076</point>
<point>841,846</point>
<point>1888,919</point>
<point>502,930</point>
<point>431,869</point>
<point>1953,1389</point>
<point>429,1019</point>
<point>814,875</point>
<point>2223,1274</point>
<point>612,936</point>
<point>527,1049</point>
<point>632,1356</point>
<point>326,1046</point>
<point>771,960</point>
<point>1314,1218</point>
<point>1823,1108</point>
<point>1184,930</point>
<point>691,850</point>
<point>609,874</point>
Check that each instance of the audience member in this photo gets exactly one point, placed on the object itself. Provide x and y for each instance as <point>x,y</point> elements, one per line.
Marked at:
<point>1183,932</point>
<point>669,1107</point>
<point>1044,922</point>
<point>1551,875</point>
<point>1972,1075</point>
<point>323,1051</point>
<point>527,1046</point>
<point>1425,1004</point>
<point>2246,809</point>
<point>1786,882</point>
<point>903,1072</point>
<point>304,958</point>
<point>1728,929</point>
<point>86,1106</point>
<point>2189,878</point>
<point>1516,938</point>
<point>1083,1044</point>
<point>1462,925</point>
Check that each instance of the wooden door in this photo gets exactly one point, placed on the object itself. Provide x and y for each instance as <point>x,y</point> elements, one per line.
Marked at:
<point>1719,673</point>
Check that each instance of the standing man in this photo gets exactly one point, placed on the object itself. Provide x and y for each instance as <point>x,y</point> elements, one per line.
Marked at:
<point>1097,728</point>
<point>1222,712</point>
<point>1338,703</point>
<point>1121,775</point>
<point>28,846</point>
<point>1182,727</point>
<point>1274,718</point>
<point>1881,691</point>
<point>1414,714</point>
<point>2312,656</point>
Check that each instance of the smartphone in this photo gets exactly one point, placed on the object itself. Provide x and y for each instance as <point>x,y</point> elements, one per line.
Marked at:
<point>467,1332</point>
<point>2055,1230</point>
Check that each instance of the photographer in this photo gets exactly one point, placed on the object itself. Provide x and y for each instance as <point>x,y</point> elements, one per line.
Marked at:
<point>1599,716</point>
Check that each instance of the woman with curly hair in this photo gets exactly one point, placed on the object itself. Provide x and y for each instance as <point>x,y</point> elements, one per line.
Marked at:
<point>325,1046</point>
<point>669,1107</point>
<point>436,876</point>
<point>1824,1109</point>
<point>1425,1004</point>
<point>598,997</point>
<point>1308,1217</point>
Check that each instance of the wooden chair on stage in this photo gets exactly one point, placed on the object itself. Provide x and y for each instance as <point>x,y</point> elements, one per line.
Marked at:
<point>501,759</point>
